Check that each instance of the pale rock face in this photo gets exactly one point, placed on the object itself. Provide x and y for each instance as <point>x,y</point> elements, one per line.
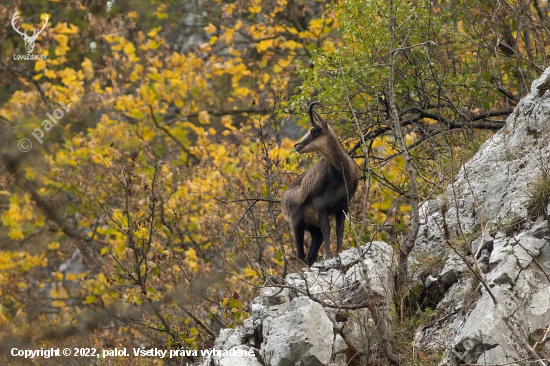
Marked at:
<point>303,336</point>
<point>238,360</point>
<point>288,328</point>
<point>516,262</point>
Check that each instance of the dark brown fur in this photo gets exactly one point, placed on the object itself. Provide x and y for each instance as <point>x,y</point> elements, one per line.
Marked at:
<point>321,192</point>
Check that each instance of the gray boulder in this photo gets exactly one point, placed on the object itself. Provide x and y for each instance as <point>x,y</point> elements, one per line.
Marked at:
<point>301,337</point>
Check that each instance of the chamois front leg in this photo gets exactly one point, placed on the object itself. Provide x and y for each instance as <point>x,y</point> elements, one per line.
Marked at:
<point>340,220</point>
<point>298,228</point>
<point>324,224</point>
<point>316,241</point>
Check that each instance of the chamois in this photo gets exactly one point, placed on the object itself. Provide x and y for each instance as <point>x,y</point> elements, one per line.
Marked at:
<point>321,192</point>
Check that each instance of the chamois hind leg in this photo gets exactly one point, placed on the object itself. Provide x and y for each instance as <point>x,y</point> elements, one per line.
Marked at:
<point>324,225</point>
<point>316,241</point>
<point>340,220</point>
<point>298,228</point>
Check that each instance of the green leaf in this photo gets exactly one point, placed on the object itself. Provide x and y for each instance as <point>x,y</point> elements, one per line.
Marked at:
<point>90,299</point>
<point>166,231</point>
<point>234,303</point>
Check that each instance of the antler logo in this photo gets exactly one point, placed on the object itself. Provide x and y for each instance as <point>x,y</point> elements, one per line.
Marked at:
<point>29,40</point>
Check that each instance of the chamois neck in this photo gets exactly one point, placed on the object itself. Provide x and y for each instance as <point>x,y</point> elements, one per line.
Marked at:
<point>335,153</point>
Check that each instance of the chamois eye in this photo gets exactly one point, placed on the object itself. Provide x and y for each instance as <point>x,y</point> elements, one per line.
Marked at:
<point>314,131</point>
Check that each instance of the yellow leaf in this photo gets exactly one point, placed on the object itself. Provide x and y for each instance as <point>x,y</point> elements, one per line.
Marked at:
<point>226,122</point>
<point>62,44</point>
<point>191,254</point>
<point>229,35</point>
<point>133,15</point>
<point>153,33</point>
<point>205,47</point>
<point>316,24</point>
<point>62,28</point>
<point>285,62</point>
<point>264,45</point>
<point>249,272</point>
<point>255,9</point>
<point>210,28</point>
<point>58,303</point>
<point>204,118</point>
<point>53,246</point>
<point>16,233</point>
<point>287,143</point>
<point>29,173</point>
<point>87,68</point>
<point>229,8</point>
<point>39,65</point>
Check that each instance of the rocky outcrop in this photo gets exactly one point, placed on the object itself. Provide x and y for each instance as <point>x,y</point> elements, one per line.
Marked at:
<point>318,316</point>
<point>337,311</point>
<point>492,189</point>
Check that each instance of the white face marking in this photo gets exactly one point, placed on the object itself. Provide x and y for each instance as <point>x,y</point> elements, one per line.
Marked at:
<point>317,145</point>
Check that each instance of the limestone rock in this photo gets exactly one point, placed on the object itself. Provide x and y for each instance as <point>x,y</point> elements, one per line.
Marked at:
<point>501,249</point>
<point>541,228</point>
<point>348,258</point>
<point>452,270</point>
<point>233,360</point>
<point>339,344</point>
<point>358,330</point>
<point>515,257</point>
<point>487,244</point>
<point>302,336</point>
<point>505,272</point>
<point>229,338</point>
<point>274,295</point>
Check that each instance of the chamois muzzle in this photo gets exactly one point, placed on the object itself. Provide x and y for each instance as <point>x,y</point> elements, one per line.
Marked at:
<point>298,146</point>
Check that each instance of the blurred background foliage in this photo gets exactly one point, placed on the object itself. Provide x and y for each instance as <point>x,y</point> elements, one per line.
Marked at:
<point>150,214</point>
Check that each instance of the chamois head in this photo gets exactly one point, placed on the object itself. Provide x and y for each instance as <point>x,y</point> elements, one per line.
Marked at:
<point>316,140</point>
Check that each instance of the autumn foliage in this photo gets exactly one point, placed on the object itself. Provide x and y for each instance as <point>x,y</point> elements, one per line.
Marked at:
<point>151,213</point>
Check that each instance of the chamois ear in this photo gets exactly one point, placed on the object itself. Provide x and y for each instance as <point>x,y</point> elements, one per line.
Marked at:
<point>315,119</point>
